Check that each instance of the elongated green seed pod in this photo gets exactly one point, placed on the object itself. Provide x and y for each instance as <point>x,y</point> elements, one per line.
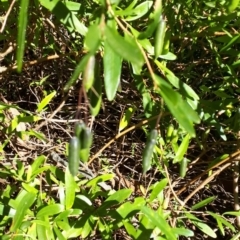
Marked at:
<point>73,155</point>
<point>183,167</point>
<point>169,133</point>
<point>148,150</point>
<point>86,139</point>
<point>79,128</point>
<point>159,38</point>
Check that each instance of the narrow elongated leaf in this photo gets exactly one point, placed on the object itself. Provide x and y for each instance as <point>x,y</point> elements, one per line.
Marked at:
<point>50,210</point>
<point>179,108</point>
<point>46,101</point>
<point>70,186</point>
<point>25,203</point>
<point>203,203</point>
<point>64,15</point>
<point>183,232</point>
<point>205,228</point>
<point>140,10</point>
<point>159,222</point>
<point>22,26</point>
<point>127,50</point>
<point>127,208</point>
<point>92,38</point>
<point>80,67</point>
<point>112,71</point>
<point>184,88</point>
<point>157,189</point>
<point>124,122</point>
<point>182,149</point>
<point>95,93</point>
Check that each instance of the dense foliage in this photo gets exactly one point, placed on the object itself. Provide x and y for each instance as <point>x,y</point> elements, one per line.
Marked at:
<point>119,119</point>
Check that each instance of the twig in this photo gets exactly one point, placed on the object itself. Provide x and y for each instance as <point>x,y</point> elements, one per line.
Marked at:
<point>53,114</point>
<point>205,182</point>
<point>6,16</point>
<point>228,159</point>
<point>122,134</point>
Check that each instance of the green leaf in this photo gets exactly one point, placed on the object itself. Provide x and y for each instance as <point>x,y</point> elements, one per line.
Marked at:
<point>183,232</point>
<point>202,226</point>
<point>112,71</point>
<point>182,149</point>
<point>140,10</point>
<point>159,222</point>
<point>126,208</point>
<point>64,15</point>
<point>95,93</point>
<point>25,203</point>
<point>92,38</point>
<point>168,56</point>
<point>127,50</point>
<point>42,228</point>
<point>132,232</point>
<point>70,188</point>
<point>124,122</point>
<point>22,27</point>
<point>237,213</point>
<point>220,221</point>
<point>157,188</point>
<point>80,68</point>
<point>45,101</point>
<point>50,210</point>
<point>205,228</point>
<point>179,108</point>
<point>232,41</point>
<point>114,199</point>
<point>103,178</point>
<point>58,234</point>
<point>203,203</point>
<point>184,88</point>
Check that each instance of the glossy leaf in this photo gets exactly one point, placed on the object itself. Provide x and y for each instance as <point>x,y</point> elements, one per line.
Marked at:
<point>125,49</point>
<point>182,149</point>
<point>25,203</point>
<point>203,203</point>
<point>159,222</point>
<point>50,210</point>
<point>70,188</point>
<point>92,38</point>
<point>46,101</point>
<point>22,27</point>
<point>158,187</point>
<point>64,15</point>
<point>177,106</point>
<point>124,122</point>
<point>95,93</point>
<point>140,10</point>
<point>89,73</point>
<point>115,198</point>
<point>183,232</point>
<point>103,178</point>
<point>80,68</point>
<point>159,38</point>
<point>112,71</point>
<point>127,208</point>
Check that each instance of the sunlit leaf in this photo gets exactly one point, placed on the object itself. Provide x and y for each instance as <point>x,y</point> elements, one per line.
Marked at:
<point>124,122</point>
<point>26,202</point>
<point>112,71</point>
<point>129,51</point>
<point>22,26</point>
<point>46,101</point>
<point>177,106</point>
